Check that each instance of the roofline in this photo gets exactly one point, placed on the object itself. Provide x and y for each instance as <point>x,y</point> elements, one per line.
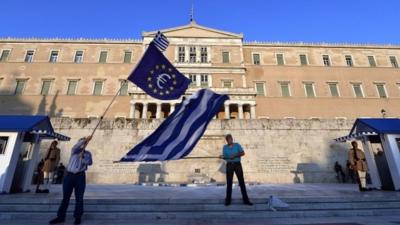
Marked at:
<point>361,120</point>
<point>192,24</point>
<point>71,40</point>
<point>245,43</point>
<point>318,44</point>
<point>44,118</point>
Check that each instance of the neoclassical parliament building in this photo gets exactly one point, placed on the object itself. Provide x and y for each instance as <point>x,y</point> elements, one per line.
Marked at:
<point>77,78</point>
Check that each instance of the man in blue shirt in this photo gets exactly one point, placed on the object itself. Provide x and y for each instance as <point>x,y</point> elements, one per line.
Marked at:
<point>232,152</point>
<point>75,180</point>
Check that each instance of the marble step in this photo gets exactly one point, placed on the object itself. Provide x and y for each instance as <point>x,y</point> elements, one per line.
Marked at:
<point>201,215</point>
<point>197,207</point>
<point>49,199</point>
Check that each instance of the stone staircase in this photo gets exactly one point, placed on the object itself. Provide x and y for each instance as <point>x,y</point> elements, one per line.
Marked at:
<point>37,207</point>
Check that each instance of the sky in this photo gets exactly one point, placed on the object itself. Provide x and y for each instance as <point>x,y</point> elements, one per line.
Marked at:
<point>349,21</point>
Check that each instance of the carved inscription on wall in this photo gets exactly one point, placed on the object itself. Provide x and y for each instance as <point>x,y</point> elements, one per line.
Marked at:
<point>274,165</point>
<point>107,166</point>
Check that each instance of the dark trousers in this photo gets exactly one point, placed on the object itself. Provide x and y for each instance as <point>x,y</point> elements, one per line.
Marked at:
<point>236,167</point>
<point>76,183</point>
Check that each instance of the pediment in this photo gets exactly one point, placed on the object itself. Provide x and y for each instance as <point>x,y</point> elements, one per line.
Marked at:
<point>196,31</point>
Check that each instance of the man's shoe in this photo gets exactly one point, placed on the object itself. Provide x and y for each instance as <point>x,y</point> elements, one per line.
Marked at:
<point>56,220</point>
<point>45,191</point>
<point>227,202</point>
<point>77,221</point>
<point>247,203</point>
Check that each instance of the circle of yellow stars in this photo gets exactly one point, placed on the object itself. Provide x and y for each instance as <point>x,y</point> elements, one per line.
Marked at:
<point>150,77</point>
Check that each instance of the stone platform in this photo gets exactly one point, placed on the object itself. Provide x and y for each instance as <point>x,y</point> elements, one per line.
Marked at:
<point>133,204</point>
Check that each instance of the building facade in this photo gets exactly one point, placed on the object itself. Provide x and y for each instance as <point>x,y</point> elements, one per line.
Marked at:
<point>77,78</point>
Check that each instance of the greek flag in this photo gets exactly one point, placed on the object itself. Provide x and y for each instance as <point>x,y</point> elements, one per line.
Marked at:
<point>176,137</point>
<point>161,41</point>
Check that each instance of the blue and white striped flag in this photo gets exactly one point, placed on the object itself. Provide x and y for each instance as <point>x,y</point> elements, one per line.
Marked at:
<point>176,137</point>
<point>161,41</point>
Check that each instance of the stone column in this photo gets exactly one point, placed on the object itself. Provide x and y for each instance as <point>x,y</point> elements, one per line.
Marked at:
<point>158,112</point>
<point>227,113</point>
<point>198,80</point>
<point>132,112</point>
<point>187,54</point>
<point>144,112</point>
<point>240,110</point>
<point>198,54</point>
<point>253,111</point>
<point>171,108</point>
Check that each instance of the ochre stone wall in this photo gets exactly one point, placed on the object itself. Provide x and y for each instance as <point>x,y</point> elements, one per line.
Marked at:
<point>277,151</point>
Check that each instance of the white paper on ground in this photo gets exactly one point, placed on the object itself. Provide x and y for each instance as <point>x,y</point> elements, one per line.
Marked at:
<point>275,202</point>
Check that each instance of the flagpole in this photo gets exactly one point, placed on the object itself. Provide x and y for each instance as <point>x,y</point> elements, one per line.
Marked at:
<point>108,107</point>
<point>115,96</point>
<point>202,157</point>
<point>193,157</point>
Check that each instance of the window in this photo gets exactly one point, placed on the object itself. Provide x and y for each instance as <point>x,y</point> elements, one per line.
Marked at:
<point>371,61</point>
<point>103,57</point>
<point>204,80</point>
<point>192,54</point>
<point>358,91</point>
<point>393,61</point>
<point>285,89</point>
<point>225,57</point>
<point>260,88</point>
<point>309,88</point>
<point>349,60</point>
<point>46,84</point>
<point>128,57</point>
<point>124,88</point>
<point>333,88</point>
<point>3,145</point>
<point>4,55</point>
<point>279,59</point>
<point>72,84</point>
<point>203,54</point>
<point>327,61</point>
<point>227,84</point>
<point>256,59</point>
<point>98,87</point>
<point>29,56</point>
<point>181,54</point>
<point>19,89</point>
<point>381,90</point>
<point>53,56</point>
<point>78,57</point>
<point>303,60</point>
<point>193,79</point>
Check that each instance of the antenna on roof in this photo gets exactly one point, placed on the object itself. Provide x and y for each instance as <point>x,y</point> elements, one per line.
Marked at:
<point>192,15</point>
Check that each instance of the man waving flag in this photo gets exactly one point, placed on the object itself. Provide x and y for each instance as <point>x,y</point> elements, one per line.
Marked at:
<point>156,75</point>
<point>178,134</point>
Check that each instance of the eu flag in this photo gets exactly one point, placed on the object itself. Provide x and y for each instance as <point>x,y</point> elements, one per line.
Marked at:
<point>158,77</point>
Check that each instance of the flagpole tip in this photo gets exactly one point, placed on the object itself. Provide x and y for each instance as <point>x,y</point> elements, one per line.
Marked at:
<point>191,16</point>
